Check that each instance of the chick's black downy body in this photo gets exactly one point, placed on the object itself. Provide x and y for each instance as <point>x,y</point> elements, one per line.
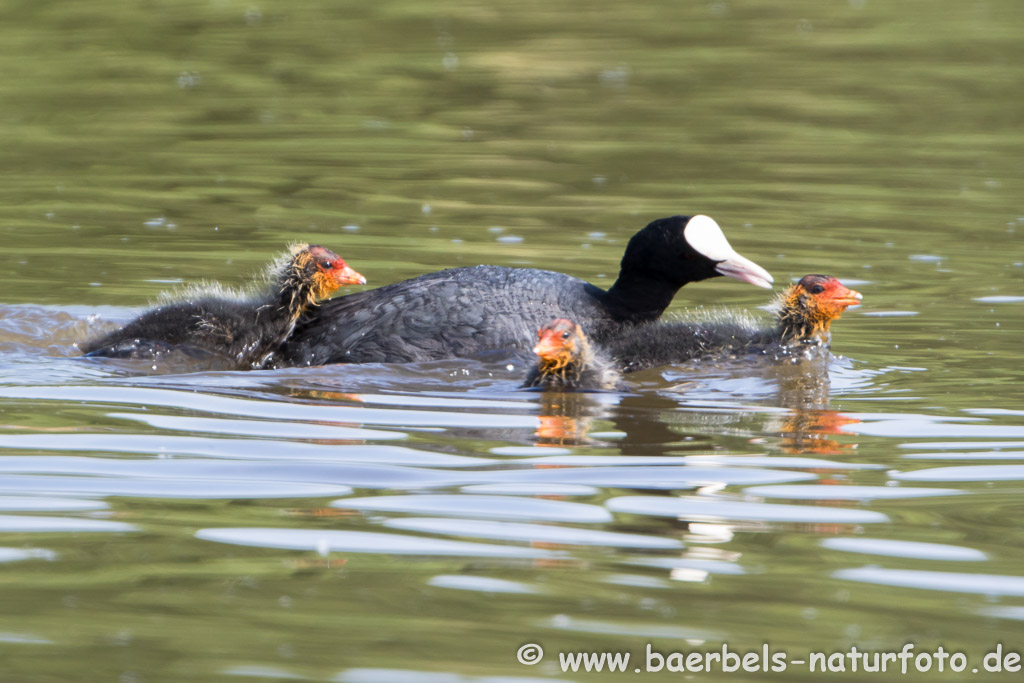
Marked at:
<point>803,317</point>
<point>247,330</point>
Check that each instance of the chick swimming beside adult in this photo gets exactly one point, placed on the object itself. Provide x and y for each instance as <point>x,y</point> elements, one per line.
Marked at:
<point>246,329</point>
<point>804,315</point>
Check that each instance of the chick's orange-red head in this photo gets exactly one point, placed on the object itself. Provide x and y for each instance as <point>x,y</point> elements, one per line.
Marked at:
<point>331,272</point>
<point>557,343</point>
<point>831,296</point>
<point>810,306</point>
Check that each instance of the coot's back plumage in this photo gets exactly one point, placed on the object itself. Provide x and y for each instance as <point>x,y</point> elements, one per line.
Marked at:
<point>467,311</point>
<point>451,313</point>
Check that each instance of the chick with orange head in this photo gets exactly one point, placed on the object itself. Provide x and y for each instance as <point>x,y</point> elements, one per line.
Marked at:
<point>245,328</point>
<point>567,361</point>
<point>803,317</point>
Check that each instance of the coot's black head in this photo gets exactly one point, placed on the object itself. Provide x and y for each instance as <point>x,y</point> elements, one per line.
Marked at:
<point>682,249</point>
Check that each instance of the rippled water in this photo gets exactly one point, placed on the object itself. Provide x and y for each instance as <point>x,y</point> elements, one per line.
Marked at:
<point>420,523</point>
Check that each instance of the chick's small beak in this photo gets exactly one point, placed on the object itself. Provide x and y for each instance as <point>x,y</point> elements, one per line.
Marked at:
<point>549,345</point>
<point>347,276</point>
<point>846,297</point>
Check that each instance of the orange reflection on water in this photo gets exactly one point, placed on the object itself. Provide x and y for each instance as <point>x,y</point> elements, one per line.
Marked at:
<point>807,431</point>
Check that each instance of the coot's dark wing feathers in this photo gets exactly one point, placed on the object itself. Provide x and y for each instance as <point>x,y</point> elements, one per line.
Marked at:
<point>451,313</point>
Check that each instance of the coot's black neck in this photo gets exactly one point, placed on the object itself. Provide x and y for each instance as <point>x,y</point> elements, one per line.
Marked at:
<point>638,299</point>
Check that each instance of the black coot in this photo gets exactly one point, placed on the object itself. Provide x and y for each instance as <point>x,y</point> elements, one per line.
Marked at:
<point>245,329</point>
<point>466,311</point>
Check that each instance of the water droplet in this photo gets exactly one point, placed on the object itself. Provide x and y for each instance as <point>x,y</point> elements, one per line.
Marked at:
<point>189,79</point>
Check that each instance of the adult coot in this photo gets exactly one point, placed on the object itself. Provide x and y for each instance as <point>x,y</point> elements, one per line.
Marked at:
<point>247,329</point>
<point>465,311</point>
<point>566,361</point>
<point>805,312</point>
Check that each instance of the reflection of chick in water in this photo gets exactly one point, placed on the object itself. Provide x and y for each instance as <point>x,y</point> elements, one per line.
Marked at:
<point>563,420</point>
<point>566,418</point>
<point>805,390</point>
<point>808,431</point>
<point>804,386</point>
